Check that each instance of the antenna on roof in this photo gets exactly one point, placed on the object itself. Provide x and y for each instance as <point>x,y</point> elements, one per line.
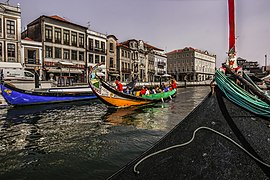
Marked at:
<point>7,2</point>
<point>88,24</point>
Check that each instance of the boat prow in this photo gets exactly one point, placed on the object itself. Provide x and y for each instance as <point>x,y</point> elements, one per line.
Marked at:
<point>19,97</point>
<point>114,98</point>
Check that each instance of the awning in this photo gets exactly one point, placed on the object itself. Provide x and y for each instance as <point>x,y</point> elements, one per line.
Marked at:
<point>114,75</point>
<point>100,74</point>
<point>66,63</point>
<point>166,75</point>
<point>10,65</point>
<point>64,70</point>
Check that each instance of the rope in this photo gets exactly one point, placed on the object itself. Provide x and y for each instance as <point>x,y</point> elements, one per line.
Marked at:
<point>193,137</point>
<point>241,97</point>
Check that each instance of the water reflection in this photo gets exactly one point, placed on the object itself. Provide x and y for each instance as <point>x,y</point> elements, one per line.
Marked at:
<point>85,140</point>
<point>141,117</point>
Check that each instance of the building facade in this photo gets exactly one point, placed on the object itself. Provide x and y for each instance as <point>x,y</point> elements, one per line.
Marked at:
<point>191,64</point>
<point>63,48</point>
<point>31,53</point>
<point>137,59</point>
<point>96,49</point>
<point>111,61</point>
<point>10,36</point>
<point>160,64</point>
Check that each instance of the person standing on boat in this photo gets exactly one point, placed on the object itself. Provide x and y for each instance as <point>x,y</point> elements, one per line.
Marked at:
<point>119,86</point>
<point>173,84</point>
<point>143,91</point>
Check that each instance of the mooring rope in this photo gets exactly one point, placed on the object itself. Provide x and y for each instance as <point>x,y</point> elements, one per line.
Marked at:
<point>193,137</point>
<point>241,97</point>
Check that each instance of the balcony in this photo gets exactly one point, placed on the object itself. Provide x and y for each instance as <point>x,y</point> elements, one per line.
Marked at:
<point>11,36</point>
<point>97,49</point>
<point>161,72</point>
<point>151,71</point>
<point>32,61</point>
<point>112,67</point>
<point>11,59</point>
<point>66,42</point>
<point>126,70</point>
<point>48,40</point>
<point>161,64</point>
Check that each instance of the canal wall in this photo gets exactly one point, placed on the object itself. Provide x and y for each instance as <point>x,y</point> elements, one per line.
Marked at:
<point>30,85</point>
<point>180,84</point>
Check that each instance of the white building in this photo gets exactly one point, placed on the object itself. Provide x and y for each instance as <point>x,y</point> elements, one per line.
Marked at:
<point>96,49</point>
<point>191,64</point>
<point>31,53</point>
<point>10,35</point>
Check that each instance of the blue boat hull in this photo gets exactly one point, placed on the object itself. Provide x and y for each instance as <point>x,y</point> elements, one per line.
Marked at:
<point>19,97</point>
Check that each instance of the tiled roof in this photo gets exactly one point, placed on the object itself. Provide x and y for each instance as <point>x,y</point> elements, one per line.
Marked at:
<point>28,39</point>
<point>181,50</point>
<point>58,18</point>
<point>126,43</point>
<point>153,47</point>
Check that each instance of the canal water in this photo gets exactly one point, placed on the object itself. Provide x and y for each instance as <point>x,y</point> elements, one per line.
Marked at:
<point>84,140</point>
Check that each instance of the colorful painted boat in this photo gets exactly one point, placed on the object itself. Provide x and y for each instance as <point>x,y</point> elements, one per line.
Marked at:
<point>225,137</point>
<point>19,97</point>
<point>114,98</point>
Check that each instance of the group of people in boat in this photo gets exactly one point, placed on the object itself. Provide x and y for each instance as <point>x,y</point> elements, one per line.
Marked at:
<point>145,90</point>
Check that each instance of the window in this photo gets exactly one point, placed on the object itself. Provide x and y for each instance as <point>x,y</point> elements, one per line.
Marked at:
<point>81,40</point>
<point>48,52</point>
<point>122,53</point>
<point>66,54</point>
<point>11,52</point>
<point>31,57</point>
<point>74,55</point>
<point>48,33</point>
<point>103,59</point>
<point>96,44</point>
<point>74,38</point>
<point>91,44</point>
<point>81,56</point>
<point>58,53</point>
<point>96,59</point>
<point>1,26</point>
<point>57,35</point>
<point>66,37</point>
<point>111,47</point>
<point>91,58</point>
<point>103,46</point>
<point>1,52</point>
<point>10,28</point>
<point>111,63</point>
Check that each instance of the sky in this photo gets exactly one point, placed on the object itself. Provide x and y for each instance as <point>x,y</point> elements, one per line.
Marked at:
<point>167,24</point>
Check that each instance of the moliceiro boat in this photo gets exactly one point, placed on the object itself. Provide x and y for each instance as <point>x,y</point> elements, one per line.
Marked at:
<point>225,137</point>
<point>19,97</point>
<point>114,98</point>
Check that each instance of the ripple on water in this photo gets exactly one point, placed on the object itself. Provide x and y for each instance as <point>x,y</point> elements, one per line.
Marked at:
<point>85,140</point>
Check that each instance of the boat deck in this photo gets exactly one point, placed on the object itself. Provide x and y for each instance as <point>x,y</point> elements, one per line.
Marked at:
<point>209,155</point>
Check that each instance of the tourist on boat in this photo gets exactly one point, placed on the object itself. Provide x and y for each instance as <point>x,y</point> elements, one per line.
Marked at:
<point>157,89</point>
<point>127,91</point>
<point>147,92</point>
<point>173,84</point>
<point>143,91</point>
<point>119,86</point>
<point>153,91</point>
<point>163,86</point>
